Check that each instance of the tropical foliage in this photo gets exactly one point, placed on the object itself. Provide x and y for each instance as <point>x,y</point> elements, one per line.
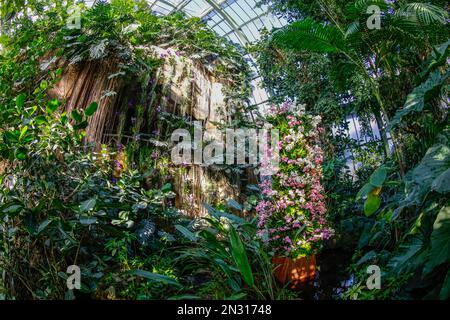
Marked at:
<point>330,58</point>
<point>381,198</point>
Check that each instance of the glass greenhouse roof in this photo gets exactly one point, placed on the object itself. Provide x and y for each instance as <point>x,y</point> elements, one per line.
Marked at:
<point>240,21</point>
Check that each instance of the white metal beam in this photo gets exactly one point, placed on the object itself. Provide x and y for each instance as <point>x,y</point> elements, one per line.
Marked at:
<point>241,35</point>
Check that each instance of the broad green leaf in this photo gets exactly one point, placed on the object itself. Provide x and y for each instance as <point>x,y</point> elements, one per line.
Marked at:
<point>240,257</point>
<point>440,241</point>
<point>365,190</point>
<point>378,177</point>
<point>66,235</point>
<point>81,126</point>
<point>21,153</point>
<point>23,132</point>
<point>33,110</point>
<point>139,206</point>
<point>409,255</point>
<point>231,217</point>
<point>442,183</point>
<point>12,136</point>
<point>419,180</point>
<point>44,225</point>
<point>211,210</point>
<point>90,110</point>
<point>372,204</point>
<point>187,233</point>
<point>64,119</point>
<point>88,205</point>
<point>4,39</point>
<point>445,290</point>
<point>212,243</point>
<point>367,257</point>
<point>234,205</point>
<point>52,105</point>
<point>226,268</point>
<point>155,277</point>
<point>12,208</point>
<point>415,101</point>
<point>75,115</point>
<point>43,85</point>
<point>166,188</point>
<point>88,220</point>
<point>40,120</point>
<point>20,100</point>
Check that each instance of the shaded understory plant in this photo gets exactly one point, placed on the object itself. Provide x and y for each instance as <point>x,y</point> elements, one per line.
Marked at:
<point>227,251</point>
<point>407,232</point>
<point>60,206</point>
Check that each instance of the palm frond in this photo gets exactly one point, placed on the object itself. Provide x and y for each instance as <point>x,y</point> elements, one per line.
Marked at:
<point>422,13</point>
<point>309,35</point>
<point>357,8</point>
<point>353,28</point>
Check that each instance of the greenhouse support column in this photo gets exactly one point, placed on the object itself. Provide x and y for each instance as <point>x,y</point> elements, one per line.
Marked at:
<point>383,133</point>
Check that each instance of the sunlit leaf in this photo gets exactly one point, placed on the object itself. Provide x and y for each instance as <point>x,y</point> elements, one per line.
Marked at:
<point>20,100</point>
<point>21,153</point>
<point>440,241</point>
<point>52,105</point>
<point>372,204</point>
<point>240,257</point>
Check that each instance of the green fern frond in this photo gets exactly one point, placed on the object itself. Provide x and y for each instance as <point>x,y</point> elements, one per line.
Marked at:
<point>357,8</point>
<point>353,28</point>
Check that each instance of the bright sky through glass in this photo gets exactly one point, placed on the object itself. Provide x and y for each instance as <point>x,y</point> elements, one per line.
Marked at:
<point>240,21</point>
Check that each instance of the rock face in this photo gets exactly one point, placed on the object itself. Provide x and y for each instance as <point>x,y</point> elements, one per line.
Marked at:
<point>180,87</point>
<point>82,84</point>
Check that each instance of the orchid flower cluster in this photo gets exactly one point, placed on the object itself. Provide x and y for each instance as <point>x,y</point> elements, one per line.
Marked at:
<point>292,214</point>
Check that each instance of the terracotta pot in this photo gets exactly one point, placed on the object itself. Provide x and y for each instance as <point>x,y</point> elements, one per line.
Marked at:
<point>296,272</point>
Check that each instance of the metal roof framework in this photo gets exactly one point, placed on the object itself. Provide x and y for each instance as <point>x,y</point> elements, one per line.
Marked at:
<point>240,21</point>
